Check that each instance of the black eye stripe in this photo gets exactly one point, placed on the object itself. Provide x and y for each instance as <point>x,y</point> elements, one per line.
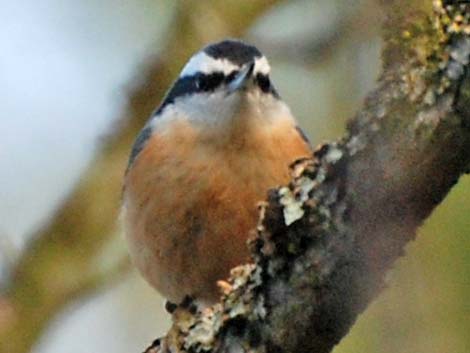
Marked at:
<point>264,83</point>
<point>202,82</point>
<point>187,85</point>
<point>208,82</point>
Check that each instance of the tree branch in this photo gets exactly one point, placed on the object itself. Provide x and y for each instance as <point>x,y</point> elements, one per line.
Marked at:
<point>326,240</point>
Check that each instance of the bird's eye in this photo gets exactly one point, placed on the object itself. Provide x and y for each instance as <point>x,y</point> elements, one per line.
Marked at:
<point>198,82</point>
<point>263,82</point>
<point>201,82</point>
<point>209,82</point>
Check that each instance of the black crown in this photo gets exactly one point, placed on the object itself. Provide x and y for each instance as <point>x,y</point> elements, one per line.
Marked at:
<point>233,50</point>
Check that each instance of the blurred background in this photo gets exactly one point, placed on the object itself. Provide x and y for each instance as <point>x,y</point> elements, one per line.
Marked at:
<point>78,80</point>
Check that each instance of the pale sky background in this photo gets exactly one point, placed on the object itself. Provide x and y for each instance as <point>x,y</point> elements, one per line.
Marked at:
<point>63,70</point>
<point>64,66</point>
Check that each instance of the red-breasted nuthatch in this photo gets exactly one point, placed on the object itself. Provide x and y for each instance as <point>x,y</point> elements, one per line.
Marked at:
<point>219,140</point>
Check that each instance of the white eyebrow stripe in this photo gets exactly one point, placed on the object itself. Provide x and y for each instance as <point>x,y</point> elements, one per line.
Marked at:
<point>204,63</point>
<point>201,62</point>
<point>262,65</point>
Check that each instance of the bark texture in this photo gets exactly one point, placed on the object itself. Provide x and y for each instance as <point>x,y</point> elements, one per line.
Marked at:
<point>325,241</point>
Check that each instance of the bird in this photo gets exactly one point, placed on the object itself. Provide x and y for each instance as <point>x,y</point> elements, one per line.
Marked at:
<point>220,139</point>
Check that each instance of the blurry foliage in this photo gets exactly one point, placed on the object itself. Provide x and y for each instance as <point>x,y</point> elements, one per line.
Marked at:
<point>426,307</point>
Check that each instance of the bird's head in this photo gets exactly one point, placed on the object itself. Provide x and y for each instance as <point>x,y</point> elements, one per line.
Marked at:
<point>223,81</point>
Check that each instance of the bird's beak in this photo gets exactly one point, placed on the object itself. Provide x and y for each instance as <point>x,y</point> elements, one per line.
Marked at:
<point>243,78</point>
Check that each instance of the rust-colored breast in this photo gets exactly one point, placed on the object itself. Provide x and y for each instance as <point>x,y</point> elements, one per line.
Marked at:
<point>190,202</point>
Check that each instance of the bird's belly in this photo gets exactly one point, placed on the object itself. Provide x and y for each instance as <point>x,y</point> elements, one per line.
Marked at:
<point>188,215</point>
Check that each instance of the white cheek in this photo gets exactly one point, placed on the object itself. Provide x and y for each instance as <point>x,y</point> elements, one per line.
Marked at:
<point>216,108</point>
<point>219,109</point>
